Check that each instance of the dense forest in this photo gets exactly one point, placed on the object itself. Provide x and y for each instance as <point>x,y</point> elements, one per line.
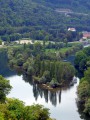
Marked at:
<point>71,4</point>
<point>39,19</point>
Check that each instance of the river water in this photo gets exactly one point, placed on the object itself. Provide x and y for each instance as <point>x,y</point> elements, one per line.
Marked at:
<point>62,103</point>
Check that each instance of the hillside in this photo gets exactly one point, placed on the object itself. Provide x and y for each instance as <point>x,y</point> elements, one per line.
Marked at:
<point>40,20</point>
<point>82,6</point>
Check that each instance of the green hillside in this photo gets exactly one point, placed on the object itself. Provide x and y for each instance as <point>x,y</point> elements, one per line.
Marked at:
<point>38,19</point>
<point>81,5</point>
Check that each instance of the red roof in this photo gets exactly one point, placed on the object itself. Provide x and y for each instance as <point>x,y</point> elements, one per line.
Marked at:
<point>87,35</point>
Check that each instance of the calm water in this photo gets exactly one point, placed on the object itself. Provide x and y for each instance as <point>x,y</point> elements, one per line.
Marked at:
<point>62,103</point>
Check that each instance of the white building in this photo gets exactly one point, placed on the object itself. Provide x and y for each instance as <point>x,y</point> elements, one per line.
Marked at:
<point>72,29</point>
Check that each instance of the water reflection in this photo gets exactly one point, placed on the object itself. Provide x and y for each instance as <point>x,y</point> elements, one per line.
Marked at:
<point>4,69</point>
<point>60,102</point>
<point>53,96</point>
<point>38,91</point>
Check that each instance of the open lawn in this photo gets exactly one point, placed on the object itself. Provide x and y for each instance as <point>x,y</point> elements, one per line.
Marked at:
<point>62,50</point>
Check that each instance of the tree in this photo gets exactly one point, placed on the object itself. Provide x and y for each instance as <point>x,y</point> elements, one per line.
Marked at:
<point>20,62</point>
<point>4,88</point>
<point>37,47</point>
<point>30,70</point>
<point>36,112</point>
<point>15,109</point>
<point>0,42</point>
<point>46,75</point>
<point>87,107</point>
<point>46,38</point>
<point>82,64</point>
<point>1,116</point>
<point>87,75</point>
<point>78,57</point>
<point>66,42</point>
<point>83,90</point>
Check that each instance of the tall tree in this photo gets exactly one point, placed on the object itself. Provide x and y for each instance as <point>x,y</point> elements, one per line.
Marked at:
<point>4,88</point>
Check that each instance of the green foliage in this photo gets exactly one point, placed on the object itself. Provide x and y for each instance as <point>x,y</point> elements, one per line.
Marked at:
<point>37,47</point>
<point>84,91</point>
<point>41,21</point>
<point>87,75</point>
<point>79,57</point>
<point>87,106</point>
<point>53,81</point>
<point>20,61</point>
<point>4,88</point>
<point>30,70</point>
<point>1,116</point>
<point>44,66</point>
<point>0,42</point>
<point>25,66</point>
<point>82,59</point>
<point>36,112</point>
<point>15,109</point>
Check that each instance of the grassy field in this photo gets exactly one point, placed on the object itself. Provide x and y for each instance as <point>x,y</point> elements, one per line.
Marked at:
<point>62,50</point>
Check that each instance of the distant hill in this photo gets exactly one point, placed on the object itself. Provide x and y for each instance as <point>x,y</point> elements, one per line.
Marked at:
<point>76,5</point>
<point>38,19</point>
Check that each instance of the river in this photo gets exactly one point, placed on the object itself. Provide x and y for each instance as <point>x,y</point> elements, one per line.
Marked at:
<point>62,103</point>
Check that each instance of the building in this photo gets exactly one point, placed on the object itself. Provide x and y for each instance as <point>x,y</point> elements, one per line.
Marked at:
<point>72,29</point>
<point>86,35</point>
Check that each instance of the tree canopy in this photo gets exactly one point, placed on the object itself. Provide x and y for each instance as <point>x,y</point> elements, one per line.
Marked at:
<point>82,59</point>
<point>40,20</point>
<point>15,109</point>
<point>84,91</point>
<point>4,88</point>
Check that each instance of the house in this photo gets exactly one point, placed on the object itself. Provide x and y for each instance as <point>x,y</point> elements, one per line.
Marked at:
<point>72,29</point>
<point>86,35</point>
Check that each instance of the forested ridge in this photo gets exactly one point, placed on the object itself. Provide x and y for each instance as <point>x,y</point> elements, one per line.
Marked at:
<point>38,19</point>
